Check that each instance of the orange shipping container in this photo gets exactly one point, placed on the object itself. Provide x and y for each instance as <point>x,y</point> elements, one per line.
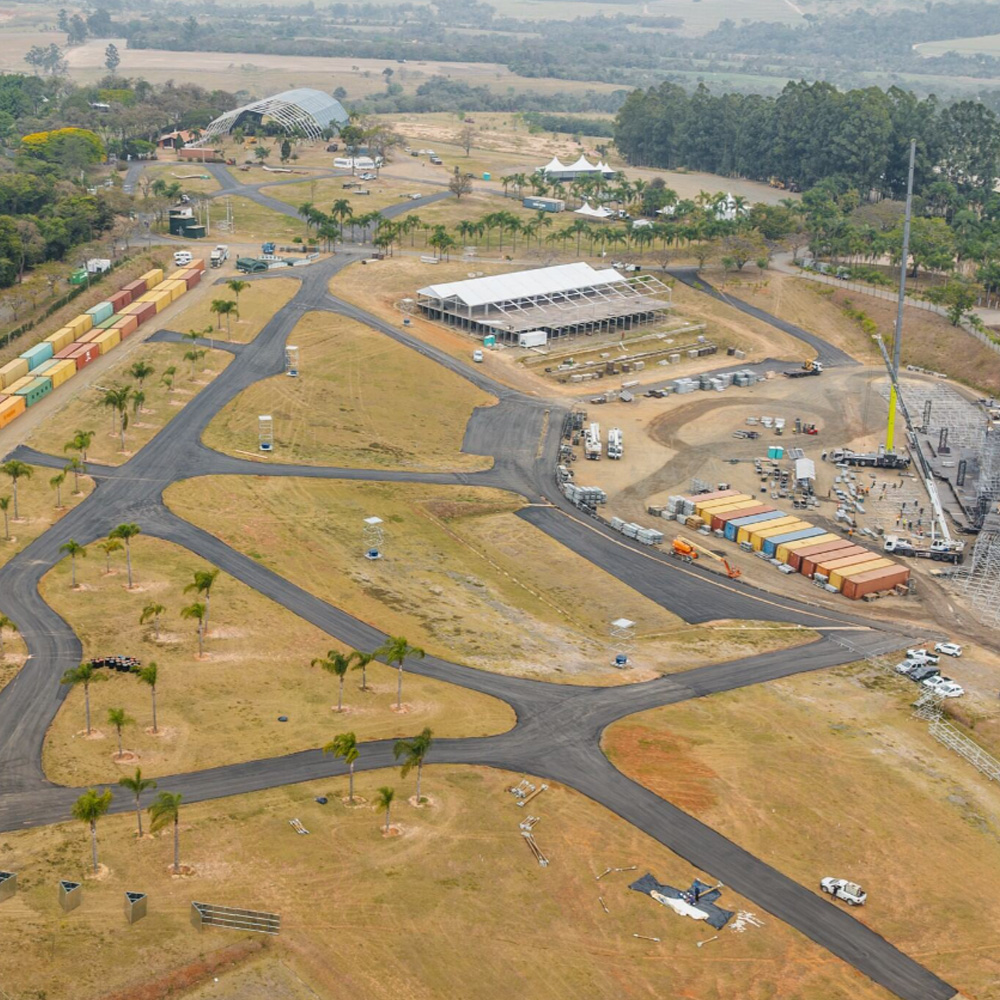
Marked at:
<point>197,264</point>
<point>837,577</point>
<point>840,561</point>
<point>810,557</point>
<point>856,587</point>
<point>126,324</point>
<point>11,407</point>
<point>107,340</point>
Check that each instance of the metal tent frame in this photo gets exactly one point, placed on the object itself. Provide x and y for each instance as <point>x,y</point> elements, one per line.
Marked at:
<point>310,111</point>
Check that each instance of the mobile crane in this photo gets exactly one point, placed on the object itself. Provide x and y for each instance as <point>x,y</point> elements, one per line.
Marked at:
<point>688,551</point>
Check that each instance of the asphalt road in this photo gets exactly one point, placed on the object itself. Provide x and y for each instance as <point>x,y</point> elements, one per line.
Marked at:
<point>558,729</point>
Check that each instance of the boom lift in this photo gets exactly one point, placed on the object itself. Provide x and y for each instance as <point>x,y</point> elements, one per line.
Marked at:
<point>688,551</point>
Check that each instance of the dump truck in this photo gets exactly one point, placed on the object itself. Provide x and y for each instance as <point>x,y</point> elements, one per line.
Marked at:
<point>808,368</point>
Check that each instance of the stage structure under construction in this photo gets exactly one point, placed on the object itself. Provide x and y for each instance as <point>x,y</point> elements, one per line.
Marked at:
<point>982,580</point>
<point>564,300</point>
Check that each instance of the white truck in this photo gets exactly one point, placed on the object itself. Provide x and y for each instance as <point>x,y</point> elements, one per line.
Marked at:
<point>840,888</point>
<point>616,446</point>
<point>219,254</point>
<point>592,442</point>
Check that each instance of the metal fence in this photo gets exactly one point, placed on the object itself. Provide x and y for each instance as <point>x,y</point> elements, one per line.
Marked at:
<point>210,915</point>
<point>946,733</point>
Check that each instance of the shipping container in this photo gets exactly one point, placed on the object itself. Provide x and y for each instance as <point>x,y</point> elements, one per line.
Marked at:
<point>159,299</point>
<point>105,323</point>
<point>544,204</point>
<point>760,535</point>
<point>120,300</point>
<point>764,513</point>
<point>58,369</point>
<point>14,387</point>
<point>719,521</point>
<point>100,312</point>
<point>37,354</point>
<point>80,325</point>
<point>152,278</point>
<point>198,264</point>
<point>842,559</point>
<point>135,289</point>
<point>807,561</point>
<point>715,495</point>
<point>770,547</point>
<point>107,340</point>
<point>36,389</point>
<point>787,550</point>
<point>84,354</point>
<point>837,577</point>
<point>141,310</point>
<point>856,587</point>
<point>190,277</point>
<point>89,336</point>
<point>11,407</point>
<point>175,288</point>
<point>704,508</point>
<point>745,533</point>
<point>60,338</point>
<point>126,324</point>
<point>727,507</point>
<point>67,352</point>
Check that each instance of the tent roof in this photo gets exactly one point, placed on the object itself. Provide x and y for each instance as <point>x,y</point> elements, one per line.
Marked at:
<point>594,213</point>
<point>553,165</point>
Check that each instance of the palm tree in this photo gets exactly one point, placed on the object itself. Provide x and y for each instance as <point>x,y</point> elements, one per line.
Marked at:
<point>126,532</point>
<point>81,442</point>
<point>77,467</point>
<point>361,661</point>
<point>197,611</point>
<point>140,371</point>
<point>16,470</point>
<point>56,483</point>
<point>73,549</point>
<point>224,307</point>
<point>414,751</point>
<point>116,400</point>
<point>111,545</point>
<point>236,286</point>
<point>85,675</point>
<point>147,675</point>
<point>166,808</point>
<point>194,356</point>
<point>383,801</point>
<point>5,622</point>
<point>4,506</point>
<point>167,378</point>
<point>395,650</point>
<point>137,785</point>
<point>345,745</point>
<point>138,398</point>
<point>118,719</point>
<point>341,210</point>
<point>89,808</point>
<point>202,584</point>
<point>338,664</point>
<point>152,612</point>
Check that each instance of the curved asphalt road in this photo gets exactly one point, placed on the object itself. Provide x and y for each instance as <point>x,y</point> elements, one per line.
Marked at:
<point>558,726</point>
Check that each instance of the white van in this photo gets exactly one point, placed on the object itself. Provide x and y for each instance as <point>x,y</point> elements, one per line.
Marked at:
<point>182,258</point>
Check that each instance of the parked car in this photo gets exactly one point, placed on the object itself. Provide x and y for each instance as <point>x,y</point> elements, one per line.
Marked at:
<point>948,648</point>
<point>945,687</point>
<point>920,673</point>
<point>182,258</point>
<point>367,176</point>
<point>904,667</point>
<point>840,888</point>
<point>436,160</point>
<point>922,655</point>
<point>477,356</point>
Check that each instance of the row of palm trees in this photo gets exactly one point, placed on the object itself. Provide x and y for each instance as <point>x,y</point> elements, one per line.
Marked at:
<point>123,533</point>
<point>86,674</point>
<point>394,650</point>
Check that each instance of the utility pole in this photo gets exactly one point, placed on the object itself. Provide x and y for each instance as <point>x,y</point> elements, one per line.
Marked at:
<point>898,337</point>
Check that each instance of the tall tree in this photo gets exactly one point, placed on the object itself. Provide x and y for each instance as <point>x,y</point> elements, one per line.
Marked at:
<point>108,547</point>
<point>413,752</point>
<point>166,809</point>
<point>148,675</point>
<point>361,661</point>
<point>395,650</point>
<point>126,532</point>
<point>204,580</point>
<point>346,746</point>
<point>141,370</point>
<point>89,808</point>
<point>5,507</point>
<point>151,612</point>
<point>338,664</point>
<point>118,718</point>
<point>196,611</point>
<point>16,470</point>
<point>56,483</point>
<point>73,549</point>
<point>384,801</point>
<point>137,784</point>
<point>84,674</point>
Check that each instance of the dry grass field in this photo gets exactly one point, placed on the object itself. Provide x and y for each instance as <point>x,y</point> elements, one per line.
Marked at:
<point>362,400</point>
<point>461,576</point>
<point>323,192</point>
<point>86,410</point>
<point>257,223</point>
<point>192,177</point>
<point>383,914</point>
<point>222,707</point>
<point>846,784</point>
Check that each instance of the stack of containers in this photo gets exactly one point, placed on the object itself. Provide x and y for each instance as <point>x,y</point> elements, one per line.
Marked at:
<point>787,550</point>
<point>748,517</point>
<point>858,585</point>
<point>771,545</point>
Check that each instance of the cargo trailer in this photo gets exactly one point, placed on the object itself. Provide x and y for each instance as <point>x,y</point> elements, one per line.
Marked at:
<point>770,548</point>
<point>753,515</point>
<point>36,389</point>
<point>809,560</point>
<point>856,587</point>
<point>152,278</point>
<point>84,354</point>
<point>37,354</point>
<point>745,534</point>
<point>10,407</point>
<point>787,550</point>
<point>58,369</point>
<point>60,338</point>
<point>107,340</point>
<point>80,325</point>
<point>763,533</point>
<point>838,576</point>
<point>100,312</point>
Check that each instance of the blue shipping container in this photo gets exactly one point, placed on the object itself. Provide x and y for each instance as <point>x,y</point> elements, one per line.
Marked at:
<point>37,354</point>
<point>544,204</point>
<point>733,527</point>
<point>771,544</point>
<point>100,312</point>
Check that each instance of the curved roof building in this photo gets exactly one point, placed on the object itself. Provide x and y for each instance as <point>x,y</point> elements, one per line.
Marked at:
<point>311,111</point>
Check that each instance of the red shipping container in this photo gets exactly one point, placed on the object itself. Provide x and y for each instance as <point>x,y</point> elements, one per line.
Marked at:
<point>85,353</point>
<point>878,579</point>
<point>66,352</point>
<point>142,311</point>
<point>120,300</point>
<point>720,520</point>
<point>127,324</point>
<point>810,565</point>
<point>190,278</point>
<point>796,559</point>
<point>135,289</point>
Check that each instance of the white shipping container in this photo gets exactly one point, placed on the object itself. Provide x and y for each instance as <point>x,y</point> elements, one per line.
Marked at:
<point>533,338</point>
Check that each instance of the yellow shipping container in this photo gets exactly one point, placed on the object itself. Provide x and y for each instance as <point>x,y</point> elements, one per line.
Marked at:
<point>20,383</point>
<point>837,577</point>
<point>776,526</point>
<point>61,338</point>
<point>80,325</point>
<point>747,530</point>
<point>726,508</point>
<point>11,407</point>
<point>61,372</point>
<point>107,340</point>
<point>12,371</point>
<point>152,278</point>
<point>784,551</point>
<point>710,505</point>
<point>758,538</point>
<point>175,288</point>
<point>161,300</point>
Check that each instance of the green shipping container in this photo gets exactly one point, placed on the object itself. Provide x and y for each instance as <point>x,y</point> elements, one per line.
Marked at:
<point>36,389</point>
<point>109,322</point>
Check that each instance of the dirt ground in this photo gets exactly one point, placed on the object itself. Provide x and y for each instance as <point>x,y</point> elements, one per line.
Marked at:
<point>354,404</point>
<point>457,870</point>
<point>224,707</point>
<point>850,785</point>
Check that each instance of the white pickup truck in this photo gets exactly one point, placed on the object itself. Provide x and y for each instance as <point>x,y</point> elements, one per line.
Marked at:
<point>219,254</point>
<point>841,888</point>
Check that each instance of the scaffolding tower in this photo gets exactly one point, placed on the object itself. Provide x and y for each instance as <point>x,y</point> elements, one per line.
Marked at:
<point>373,535</point>
<point>265,432</point>
<point>982,581</point>
<point>622,635</point>
<point>291,361</point>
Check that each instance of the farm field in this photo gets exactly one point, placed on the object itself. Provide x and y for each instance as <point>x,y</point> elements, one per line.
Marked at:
<point>457,870</point>
<point>893,783</point>
<point>222,707</point>
<point>339,411</point>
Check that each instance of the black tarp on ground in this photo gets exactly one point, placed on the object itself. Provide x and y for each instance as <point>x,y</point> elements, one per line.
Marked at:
<point>717,917</point>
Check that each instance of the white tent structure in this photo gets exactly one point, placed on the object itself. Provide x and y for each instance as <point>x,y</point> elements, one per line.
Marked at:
<point>601,212</point>
<point>554,170</point>
<point>311,111</point>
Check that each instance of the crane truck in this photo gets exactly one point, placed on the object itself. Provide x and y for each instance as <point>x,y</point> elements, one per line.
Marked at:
<point>688,551</point>
<point>592,442</point>
<point>808,368</point>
